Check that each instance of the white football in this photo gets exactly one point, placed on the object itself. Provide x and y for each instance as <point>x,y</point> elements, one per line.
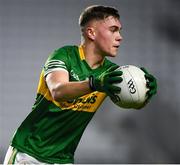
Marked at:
<point>133,87</point>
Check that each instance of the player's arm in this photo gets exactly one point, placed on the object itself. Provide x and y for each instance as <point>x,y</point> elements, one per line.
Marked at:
<point>62,89</point>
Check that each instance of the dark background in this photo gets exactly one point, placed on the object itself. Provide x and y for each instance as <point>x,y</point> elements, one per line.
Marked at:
<point>31,29</point>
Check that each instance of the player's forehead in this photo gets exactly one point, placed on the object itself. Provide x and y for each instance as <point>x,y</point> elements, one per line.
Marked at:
<point>110,21</point>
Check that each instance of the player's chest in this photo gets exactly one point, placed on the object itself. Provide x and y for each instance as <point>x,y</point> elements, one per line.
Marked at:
<point>81,71</point>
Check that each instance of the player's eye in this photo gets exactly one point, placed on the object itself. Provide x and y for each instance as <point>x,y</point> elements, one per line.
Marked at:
<point>113,29</point>
<point>120,31</point>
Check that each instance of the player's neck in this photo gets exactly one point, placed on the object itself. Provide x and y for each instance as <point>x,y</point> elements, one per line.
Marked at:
<point>92,56</point>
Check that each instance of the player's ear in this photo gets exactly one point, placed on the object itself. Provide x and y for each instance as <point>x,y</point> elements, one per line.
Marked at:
<point>90,32</point>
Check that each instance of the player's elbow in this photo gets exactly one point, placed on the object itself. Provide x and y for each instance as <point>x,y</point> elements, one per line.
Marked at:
<point>57,94</point>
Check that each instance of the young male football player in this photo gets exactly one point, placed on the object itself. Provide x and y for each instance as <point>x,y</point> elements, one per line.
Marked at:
<point>74,82</point>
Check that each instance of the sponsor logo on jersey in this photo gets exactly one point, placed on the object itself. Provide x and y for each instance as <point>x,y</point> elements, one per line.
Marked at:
<point>88,103</point>
<point>91,99</point>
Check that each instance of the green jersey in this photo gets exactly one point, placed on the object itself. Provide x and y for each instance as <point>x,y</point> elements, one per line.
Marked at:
<point>52,131</point>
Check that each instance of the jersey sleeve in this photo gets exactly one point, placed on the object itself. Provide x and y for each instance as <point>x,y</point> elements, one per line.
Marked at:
<point>58,60</point>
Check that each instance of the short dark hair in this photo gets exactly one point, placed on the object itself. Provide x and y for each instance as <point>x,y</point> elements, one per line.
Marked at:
<point>97,12</point>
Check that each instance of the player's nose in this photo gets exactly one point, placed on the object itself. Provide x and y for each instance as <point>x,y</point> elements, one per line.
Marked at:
<point>119,37</point>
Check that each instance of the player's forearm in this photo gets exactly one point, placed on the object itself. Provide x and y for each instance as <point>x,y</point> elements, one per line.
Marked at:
<point>70,90</point>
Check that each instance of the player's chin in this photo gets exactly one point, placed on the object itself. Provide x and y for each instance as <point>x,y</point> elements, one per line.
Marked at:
<point>113,54</point>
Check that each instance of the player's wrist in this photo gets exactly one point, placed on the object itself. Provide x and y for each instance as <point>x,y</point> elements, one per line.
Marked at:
<point>91,83</point>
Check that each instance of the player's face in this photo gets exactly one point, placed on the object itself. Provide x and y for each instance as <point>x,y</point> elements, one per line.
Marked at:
<point>107,36</point>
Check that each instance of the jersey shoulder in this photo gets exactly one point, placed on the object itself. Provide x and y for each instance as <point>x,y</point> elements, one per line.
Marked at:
<point>64,52</point>
<point>61,58</point>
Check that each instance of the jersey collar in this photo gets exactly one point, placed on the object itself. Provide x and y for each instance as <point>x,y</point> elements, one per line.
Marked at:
<point>81,52</point>
<point>82,56</point>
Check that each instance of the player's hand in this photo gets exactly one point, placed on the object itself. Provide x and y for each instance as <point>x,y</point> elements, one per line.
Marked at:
<point>151,84</point>
<point>106,82</point>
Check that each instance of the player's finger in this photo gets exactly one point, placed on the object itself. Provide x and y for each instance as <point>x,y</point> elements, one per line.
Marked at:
<point>144,70</point>
<point>115,89</point>
<point>112,68</point>
<point>115,80</point>
<point>115,73</point>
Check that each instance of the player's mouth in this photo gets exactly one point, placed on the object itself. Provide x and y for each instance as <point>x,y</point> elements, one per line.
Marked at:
<point>116,46</point>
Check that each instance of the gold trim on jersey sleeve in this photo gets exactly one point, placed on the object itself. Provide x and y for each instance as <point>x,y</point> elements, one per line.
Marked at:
<point>88,103</point>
